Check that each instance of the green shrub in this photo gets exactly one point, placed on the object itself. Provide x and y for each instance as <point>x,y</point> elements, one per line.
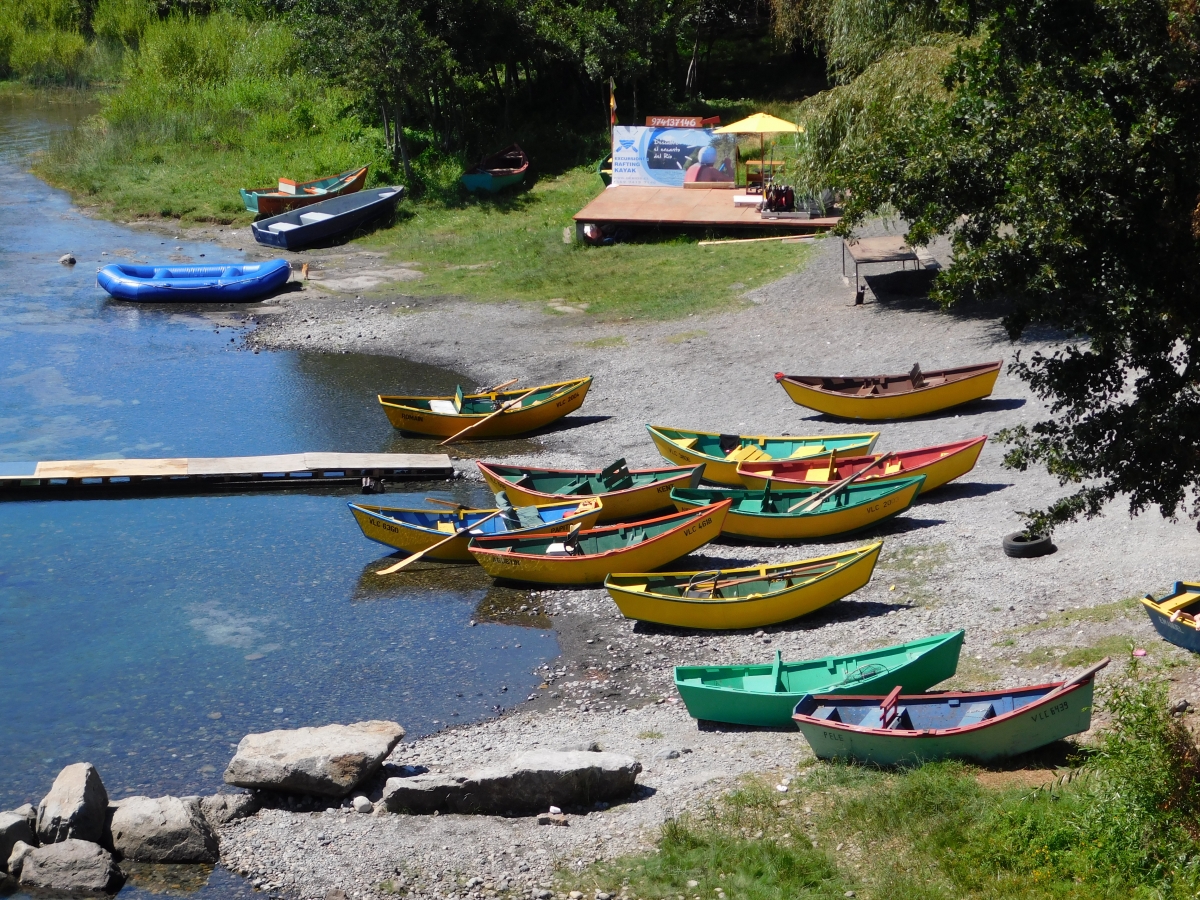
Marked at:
<point>60,57</point>
<point>122,21</point>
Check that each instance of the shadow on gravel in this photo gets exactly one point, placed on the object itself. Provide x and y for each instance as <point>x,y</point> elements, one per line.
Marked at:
<point>838,611</point>
<point>953,491</point>
<point>569,423</point>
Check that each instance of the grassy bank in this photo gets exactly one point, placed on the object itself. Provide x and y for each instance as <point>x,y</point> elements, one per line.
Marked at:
<point>1123,825</point>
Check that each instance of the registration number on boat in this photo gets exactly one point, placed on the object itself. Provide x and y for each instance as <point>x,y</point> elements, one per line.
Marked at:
<point>1049,711</point>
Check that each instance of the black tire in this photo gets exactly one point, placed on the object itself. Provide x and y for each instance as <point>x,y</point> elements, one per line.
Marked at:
<point>1020,545</point>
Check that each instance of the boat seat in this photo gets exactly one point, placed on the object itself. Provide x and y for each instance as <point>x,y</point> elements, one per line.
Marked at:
<point>443,407</point>
<point>806,451</point>
<point>893,467</point>
<point>747,453</point>
<point>686,443</point>
<point>312,218</point>
<point>280,227</point>
<point>525,481</point>
<point>558,548</point>
<point>976,713</point>
<point>825,474</point>
<point>446,527</point>
<point>1180,602</point>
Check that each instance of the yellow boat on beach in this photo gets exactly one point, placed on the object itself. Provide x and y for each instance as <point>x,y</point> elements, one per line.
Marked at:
<point>878,397</point>
<point>526,409</point>
<point>588,557</point>
<point>723,453</point>
<point>626,493</point>
<point>749,597</point>
<point>414,530</point>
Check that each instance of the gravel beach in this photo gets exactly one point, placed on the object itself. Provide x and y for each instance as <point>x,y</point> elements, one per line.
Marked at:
<point>941,569</point>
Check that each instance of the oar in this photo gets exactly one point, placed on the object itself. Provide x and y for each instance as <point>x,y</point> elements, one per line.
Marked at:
<point>816,501</point>
<point>783,573</point>
<point>412,559</point>
<point>453,503</point>
<point>1082,676</point>
<point>504,407</point>
<point>499,386</point>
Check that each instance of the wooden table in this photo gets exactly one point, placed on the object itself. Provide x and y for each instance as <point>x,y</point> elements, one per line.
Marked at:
<point>886,249</point>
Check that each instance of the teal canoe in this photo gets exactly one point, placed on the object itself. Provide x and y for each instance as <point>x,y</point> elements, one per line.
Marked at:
<point>766,694</point>
<point>497,172</point>
<point>899,729</point>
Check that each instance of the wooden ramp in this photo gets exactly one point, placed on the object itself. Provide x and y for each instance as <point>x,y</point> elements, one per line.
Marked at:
<point>681,208</point>
<point>114,477</point>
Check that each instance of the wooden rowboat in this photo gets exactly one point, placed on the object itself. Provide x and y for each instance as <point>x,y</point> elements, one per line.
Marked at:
<point>627,493</point>
<point>588,557</point>
<point>777,515</point>
<point>722,453</point>
<point>294,194</point>
<point>749,597</point>
<point>939,464</point>
<point>1174,616</point>
<point>766,694</point>
<point>979,726</point>
<point>496,172</point>
<point>879,397</point>
<point>413,530</point>
<point>446,416</point>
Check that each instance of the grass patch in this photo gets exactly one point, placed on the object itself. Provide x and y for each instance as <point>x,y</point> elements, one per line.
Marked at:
<point>650,735</point>
<point>1076,657</point>
<point>908,570</point>
<point>1088,615</point>
<point>600,343</point>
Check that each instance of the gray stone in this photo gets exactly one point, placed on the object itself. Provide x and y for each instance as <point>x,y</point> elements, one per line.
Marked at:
<point>29,811</point>
<point>17,856</point>
<point>14,827</point>
<point>329,761</point>
<point>76,807</point>
<point>67,259</point>
<point>362,804</point>
<point>72,865</point>
<point>667,754</point>
<point>221,809</point>
<point>531,782</point>
<point>585,747</point>
<point>162,830</point>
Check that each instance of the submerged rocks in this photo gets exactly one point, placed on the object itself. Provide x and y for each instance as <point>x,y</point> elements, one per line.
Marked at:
<point>76,807</point>
<point>162,830</point>
<point>329,761</point>
<point>71,865</point>
<point>529,783</point>
<point>221,809</point>
<point>14,829</point>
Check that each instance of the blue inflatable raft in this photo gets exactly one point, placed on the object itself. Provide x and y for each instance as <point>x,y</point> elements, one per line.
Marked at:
<point>194,284</point>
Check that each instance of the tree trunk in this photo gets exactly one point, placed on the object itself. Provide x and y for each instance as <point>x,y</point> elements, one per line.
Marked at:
<point>401,143</point>
<point>693,73</point>
<point>387,131</point>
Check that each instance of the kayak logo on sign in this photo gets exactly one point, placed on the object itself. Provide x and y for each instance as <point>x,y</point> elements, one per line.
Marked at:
<point>625,146</point>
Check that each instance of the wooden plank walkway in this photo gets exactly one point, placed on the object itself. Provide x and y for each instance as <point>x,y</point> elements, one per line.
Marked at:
<point>680,208</point>
<point>109,477</point>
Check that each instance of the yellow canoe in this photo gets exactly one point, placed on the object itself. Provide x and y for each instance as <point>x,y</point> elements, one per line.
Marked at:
<point>750,597</point>
<point>879,397</point>
<point>592,555</point>
<point>413,530</point>
<point>722,453</point>
<point>627,493</point>
<point>445,416</point>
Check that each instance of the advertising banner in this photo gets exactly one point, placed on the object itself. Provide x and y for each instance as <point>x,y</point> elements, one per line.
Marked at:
<point>670,157</point>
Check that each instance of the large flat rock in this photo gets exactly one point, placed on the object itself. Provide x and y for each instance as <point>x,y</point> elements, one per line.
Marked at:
<point>531,782</point>
<point>72,865</point>
<point>162,830</point>
<point>76,807</point>
<point>329,761</point>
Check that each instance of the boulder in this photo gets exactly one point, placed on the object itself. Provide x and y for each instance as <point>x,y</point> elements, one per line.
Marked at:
<point>329,761</point>
<point>76,807</point>
<point>530,783</point>
<point>221,809</point>
<point>14,828</point>
<point>29,811</point>
<point>71,865</point>
<point>162,830</point>
<point>17,856</point>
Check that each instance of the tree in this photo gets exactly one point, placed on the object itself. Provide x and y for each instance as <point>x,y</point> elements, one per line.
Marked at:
<point>1064,162</point>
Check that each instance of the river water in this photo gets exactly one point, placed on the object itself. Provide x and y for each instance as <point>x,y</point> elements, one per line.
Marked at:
<point>147,636</point>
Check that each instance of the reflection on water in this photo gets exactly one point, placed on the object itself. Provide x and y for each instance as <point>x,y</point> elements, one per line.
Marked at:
<point>147,636</point>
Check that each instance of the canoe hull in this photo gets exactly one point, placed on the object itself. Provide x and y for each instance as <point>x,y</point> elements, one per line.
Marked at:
<point>920,402</point>
<point>271,202</point>
<point>692,534</point>
<point>1174,616</point>
<point>921,669</point>
<point>827,524</point>
<point>338,216</point>
<point>747,612</point>
<point>563,402</point>
<point>937,473</point>
<point>1036,725</point>
<point>237,283</point>
<point>487,183</point>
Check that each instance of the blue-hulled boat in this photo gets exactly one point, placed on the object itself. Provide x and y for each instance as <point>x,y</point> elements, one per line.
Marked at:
<point>235,283</point>
<point>1174,616</point>
<point>326,220</point>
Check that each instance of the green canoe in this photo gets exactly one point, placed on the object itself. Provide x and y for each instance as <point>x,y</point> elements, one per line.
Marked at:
<point>767,694</point>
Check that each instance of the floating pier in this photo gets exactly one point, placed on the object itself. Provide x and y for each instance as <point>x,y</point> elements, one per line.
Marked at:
<point>105,478</point>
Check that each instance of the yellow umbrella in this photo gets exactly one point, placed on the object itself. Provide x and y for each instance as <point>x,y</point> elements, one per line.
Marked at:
<point>760,124</point>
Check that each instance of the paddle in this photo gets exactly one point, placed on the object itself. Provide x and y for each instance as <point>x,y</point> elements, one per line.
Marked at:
<point>504,407</point>
<point>783,573</point>
<point>820,498</point>
<point>453,503</point>
<point>412,559</point>
<point>499,386</point>
<point>1082,676</point>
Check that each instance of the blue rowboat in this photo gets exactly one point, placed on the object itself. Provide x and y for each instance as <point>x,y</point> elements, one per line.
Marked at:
<point>1174,616</point>
<point>235,283</point>
<point>977,726</point>
<point>326,220</point>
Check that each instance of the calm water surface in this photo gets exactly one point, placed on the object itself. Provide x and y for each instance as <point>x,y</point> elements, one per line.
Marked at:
<point>148,636</point>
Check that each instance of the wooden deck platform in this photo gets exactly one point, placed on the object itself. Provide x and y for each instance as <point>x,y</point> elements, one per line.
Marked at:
<point>74,479</point>
<point>671,207</point>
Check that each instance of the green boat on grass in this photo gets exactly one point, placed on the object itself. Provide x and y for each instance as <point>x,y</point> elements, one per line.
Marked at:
<point>767,694</point>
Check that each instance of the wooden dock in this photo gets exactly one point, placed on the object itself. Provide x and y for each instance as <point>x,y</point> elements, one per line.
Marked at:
<point>671,207</point>
<point>106,478</point>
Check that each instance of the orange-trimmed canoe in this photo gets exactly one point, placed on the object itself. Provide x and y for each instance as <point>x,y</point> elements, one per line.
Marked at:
<point>939,464</point>
<point>273,201</point>
<point>878,397</point>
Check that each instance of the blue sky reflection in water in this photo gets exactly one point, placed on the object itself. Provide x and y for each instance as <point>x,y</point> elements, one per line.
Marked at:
<point>147,636</point>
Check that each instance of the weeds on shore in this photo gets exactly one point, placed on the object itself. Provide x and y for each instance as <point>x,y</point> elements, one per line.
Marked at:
<point>1126,826</point>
